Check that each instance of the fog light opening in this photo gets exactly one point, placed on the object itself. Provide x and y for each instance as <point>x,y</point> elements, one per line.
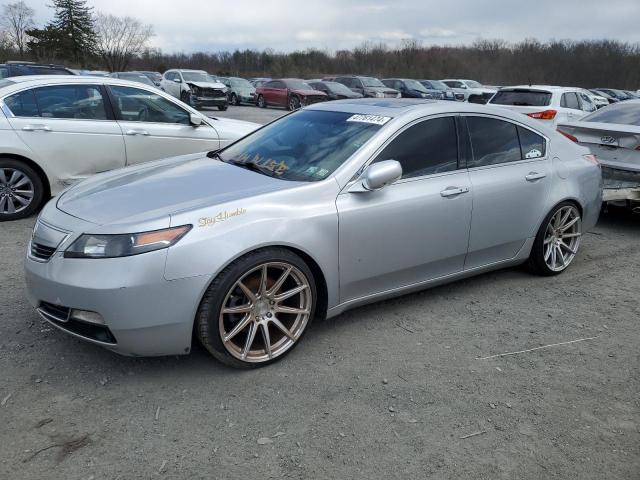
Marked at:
<point>87,316</point>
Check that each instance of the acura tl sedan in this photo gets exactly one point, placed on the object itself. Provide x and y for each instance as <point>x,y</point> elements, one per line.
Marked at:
<point>58,130</point>
<point>333,206</point>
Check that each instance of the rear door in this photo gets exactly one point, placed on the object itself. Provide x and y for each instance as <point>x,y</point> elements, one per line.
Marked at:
<point>509,172</point>
<point>155,127</point>
<point>570,109</point>
<point>414,230</point>
<point>70,129</point>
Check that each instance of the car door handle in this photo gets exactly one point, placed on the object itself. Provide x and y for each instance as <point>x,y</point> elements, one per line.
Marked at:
<point>533,176</point>
<point>36,128</point>
<point>453,191</point>
<point>136,131</point>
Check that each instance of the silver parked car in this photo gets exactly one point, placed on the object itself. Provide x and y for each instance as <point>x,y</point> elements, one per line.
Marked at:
<point>336,205</point>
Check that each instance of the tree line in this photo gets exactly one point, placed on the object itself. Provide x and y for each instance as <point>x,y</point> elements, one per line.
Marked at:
<point>82,38</point>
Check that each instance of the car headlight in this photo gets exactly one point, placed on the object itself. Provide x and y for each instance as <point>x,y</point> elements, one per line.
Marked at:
<point>398,95</point>
<point>195,90</point>
<point>123,245</point>
<point>379,95</point>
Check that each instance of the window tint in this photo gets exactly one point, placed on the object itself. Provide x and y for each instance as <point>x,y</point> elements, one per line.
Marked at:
<point>525,98</point>
<point>23,104</point>
<point>532,145</point>
<point>493,141</point>
<point>570,100</point>
<point>425,148</point>
<point>137,105</point>
<point>170,75</point>
<point>71,101</point>
<point>4,72</point>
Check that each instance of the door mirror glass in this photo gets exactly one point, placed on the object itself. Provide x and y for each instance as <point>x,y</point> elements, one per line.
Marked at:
<point>177,80</point>
<point>195,120</point>
<point>381,174</point>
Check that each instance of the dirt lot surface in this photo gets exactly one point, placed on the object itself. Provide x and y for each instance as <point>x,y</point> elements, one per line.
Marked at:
<point>397,389</point>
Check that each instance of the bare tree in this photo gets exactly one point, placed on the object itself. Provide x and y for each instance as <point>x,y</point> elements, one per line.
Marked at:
<point>16,19</point>
<point>119,39</point>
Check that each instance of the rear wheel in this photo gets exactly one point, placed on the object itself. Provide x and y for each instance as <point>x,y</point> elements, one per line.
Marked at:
<point>234,100</point>
<point>21,190</point>
<point>557,241</point>
<point>222,108</point>
<point>257,309</point>
<point>261,102</point>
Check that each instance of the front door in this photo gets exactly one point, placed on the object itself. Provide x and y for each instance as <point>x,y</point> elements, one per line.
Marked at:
<point>69,129</point>
<point>414,230</point>
<point>155,127</point>
<point>509,175</point>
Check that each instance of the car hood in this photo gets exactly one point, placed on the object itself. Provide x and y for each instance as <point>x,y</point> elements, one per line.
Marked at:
<point>162,188</point>
<point>309,93</point>
<point>380,89</point>
<point>217,85</point>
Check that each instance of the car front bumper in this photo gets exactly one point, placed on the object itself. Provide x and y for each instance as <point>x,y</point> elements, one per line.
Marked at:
<point>143,314</point>
<point>209,101</point>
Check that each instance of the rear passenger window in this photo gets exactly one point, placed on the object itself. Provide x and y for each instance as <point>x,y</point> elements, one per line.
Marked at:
<point>570,100</point>
<point>23,104</point>
<point>532,145</point>
<point>493,141</point>
<point>425,148</point>
<point>83,102</point>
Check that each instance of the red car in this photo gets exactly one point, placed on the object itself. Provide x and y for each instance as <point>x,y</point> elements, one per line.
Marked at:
<point>291,93</point>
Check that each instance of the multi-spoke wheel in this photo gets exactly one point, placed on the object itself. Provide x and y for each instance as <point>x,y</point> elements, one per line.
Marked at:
<point>258,308</point>
<point>557,241</point>
<point>294,103</point>
<point>20,190</point>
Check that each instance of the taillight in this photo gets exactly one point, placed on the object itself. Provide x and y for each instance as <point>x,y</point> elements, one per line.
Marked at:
<point>546,115</point>
<point>568,135</point>
<point>591,158</point>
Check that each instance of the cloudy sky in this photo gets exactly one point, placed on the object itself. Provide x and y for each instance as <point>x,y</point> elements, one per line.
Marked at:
<point>285,25</point>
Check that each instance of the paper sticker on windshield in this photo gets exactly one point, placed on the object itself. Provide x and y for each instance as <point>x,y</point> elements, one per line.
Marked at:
<point>374,119</point>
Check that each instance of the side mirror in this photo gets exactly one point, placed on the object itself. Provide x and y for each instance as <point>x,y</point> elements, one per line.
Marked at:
<point>177,80</point>
<point>195,120</point>
<point>377,176</point>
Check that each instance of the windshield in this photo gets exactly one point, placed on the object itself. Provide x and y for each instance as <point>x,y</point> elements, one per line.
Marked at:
<point>240,83</point>
<point>472,84</point>
<point>437,85</point>
<point>371,82</point>
<point>307,145</point>
<point>620,113</point>
<point>414,85</point>
<point>196,77</point>
<point>336,87</point>
<point>298,85</point>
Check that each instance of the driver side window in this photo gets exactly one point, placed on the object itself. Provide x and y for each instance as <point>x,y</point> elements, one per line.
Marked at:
<point>137,105</point>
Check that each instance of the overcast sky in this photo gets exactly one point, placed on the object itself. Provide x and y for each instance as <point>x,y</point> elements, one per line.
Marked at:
<point>285,25</point>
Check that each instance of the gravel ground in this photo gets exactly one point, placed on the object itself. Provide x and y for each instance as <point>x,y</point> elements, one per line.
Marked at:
<point>397,389</point>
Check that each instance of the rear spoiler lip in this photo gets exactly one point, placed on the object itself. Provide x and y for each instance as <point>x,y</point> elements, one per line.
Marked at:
<point>616,128</point>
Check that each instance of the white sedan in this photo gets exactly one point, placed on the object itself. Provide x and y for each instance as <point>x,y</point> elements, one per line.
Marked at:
<point>57,130</point>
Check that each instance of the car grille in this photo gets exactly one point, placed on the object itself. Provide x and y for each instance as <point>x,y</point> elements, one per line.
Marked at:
<point>391,94</point>
<point>60,316</point>
<point>212,92</point>
<point>41,252</point>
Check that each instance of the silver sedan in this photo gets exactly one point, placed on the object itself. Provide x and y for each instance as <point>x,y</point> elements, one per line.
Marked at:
<point>334,206</point>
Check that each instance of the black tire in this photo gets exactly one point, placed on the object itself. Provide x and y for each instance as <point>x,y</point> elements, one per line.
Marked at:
<point>207,318</point>
<point>536,263</point>
<point>261,102</point>
<point>38,190</point>
<point>222,108</point>
<point>293,103</point>
<point>233,100</point>
<point>186,98</point>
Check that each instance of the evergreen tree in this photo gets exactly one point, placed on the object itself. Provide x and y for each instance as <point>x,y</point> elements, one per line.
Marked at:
<point>73,20</point>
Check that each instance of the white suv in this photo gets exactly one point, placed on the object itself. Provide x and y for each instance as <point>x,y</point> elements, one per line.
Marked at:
<point>196,88</point>
<point>57,130</point>
<point>543,102</point>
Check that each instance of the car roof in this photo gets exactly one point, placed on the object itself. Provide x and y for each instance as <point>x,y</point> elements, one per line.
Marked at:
<point>18,83</point>
<point>552,88</point>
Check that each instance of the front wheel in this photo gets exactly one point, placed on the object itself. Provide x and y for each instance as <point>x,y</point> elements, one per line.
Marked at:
<point>261,102</point>
<point>21,190</point>
<point>186,98</point>
<point>257,309</point>
<point>222,108</point>
<point>294,103</point>
<point>557,241</point>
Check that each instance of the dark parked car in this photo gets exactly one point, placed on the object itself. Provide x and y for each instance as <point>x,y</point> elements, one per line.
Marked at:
<point>436,87</point>
<point>368,86</point>
<point>409,88</point>
<point>133,77</point>
<point>603,93</point>
<point>291,93</point>
<point>334,90</point>
<point>19,69</point>
<point>240,90</point>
